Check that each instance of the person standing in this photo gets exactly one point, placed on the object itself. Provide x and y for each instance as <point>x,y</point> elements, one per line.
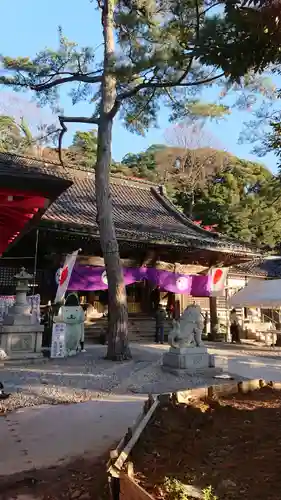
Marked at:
<point>155,298</point>
<point>47,321</point>
<point>170,309</point>
<point>234,327</point>
<point>160,317</point>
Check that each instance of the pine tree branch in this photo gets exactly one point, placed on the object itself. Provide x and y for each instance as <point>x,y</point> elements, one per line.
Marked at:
<point>79,119</point>
<point>54,83</point>
<point>144,107</point>
<point>197,20</point>
<point>211,7</point>
<point>72,119</point>
<point>60,81</point>
<point>165,85</point>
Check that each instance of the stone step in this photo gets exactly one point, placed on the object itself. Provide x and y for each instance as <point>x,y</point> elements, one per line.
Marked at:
<point>139,329</point>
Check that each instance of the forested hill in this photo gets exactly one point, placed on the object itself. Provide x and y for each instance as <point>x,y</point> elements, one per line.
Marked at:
<point>237,197</point>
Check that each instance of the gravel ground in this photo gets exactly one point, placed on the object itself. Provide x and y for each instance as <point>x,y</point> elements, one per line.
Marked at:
<point>154,380</point>
<point>81,378</point>
<point>89,376</point>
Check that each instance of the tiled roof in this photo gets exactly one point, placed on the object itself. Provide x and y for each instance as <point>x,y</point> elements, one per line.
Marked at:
<point>141,211</point>
<point>21,165</point>
<point>267,268</point>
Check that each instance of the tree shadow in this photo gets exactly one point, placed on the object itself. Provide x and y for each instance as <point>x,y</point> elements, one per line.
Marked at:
<point>82,477</point>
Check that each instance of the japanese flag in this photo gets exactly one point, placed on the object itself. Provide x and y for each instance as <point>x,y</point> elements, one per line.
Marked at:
<point>218,281</point>
<point>64,275</point>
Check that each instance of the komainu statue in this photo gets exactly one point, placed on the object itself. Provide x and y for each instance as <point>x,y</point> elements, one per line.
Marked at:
<point>187,332</point>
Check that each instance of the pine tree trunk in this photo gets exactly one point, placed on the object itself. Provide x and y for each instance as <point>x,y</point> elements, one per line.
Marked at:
<point>214,323</point>
<point>118,345</point>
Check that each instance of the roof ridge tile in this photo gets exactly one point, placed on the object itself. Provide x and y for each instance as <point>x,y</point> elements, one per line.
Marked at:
<point>30,161</point>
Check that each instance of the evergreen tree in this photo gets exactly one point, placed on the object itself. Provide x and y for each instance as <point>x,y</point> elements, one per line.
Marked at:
<point>243,201</point>
<point>155,63</point>
<point>16,137</point>
<point>10,135</point>
<point>248,37</point>
<point>84,147</point>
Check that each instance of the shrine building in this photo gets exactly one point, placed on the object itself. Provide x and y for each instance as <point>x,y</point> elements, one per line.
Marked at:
<point>48,211</point>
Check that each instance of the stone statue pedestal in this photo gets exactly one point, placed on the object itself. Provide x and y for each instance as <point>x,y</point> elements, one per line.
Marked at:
<point>187,354</point>
<point>186,360</point>
<point>20,334</point>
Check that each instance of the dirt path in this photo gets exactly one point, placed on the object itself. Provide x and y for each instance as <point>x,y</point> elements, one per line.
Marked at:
<point>81,479</point>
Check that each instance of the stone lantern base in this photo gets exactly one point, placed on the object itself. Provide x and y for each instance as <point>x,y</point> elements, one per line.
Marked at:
<point>20,341</point>
<point>20,336</point>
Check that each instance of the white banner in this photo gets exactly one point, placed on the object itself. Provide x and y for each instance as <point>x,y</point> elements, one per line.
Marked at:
<point>58,349</point>
<point>218,281</point>
<point>64,275</point>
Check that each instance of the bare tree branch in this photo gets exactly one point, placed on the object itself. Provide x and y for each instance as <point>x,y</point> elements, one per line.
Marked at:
<point>72,119</point>
<point>44,137</point>
<point>196,151</point>
<point>79,119</point>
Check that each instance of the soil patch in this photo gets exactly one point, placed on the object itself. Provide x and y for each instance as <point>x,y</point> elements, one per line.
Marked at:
<point>82,479</point>
<point>232,444</point>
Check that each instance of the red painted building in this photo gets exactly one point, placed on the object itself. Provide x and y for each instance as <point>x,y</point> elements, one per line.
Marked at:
<point>25,195</point>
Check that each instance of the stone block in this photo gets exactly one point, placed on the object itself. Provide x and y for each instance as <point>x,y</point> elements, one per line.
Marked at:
<point>224,389</point>
<point>250,385</point>
<point>220,362</point>
<point>188,350</point>
<point>20,341</point>
<point>188,359</point>
<point>191,395</point>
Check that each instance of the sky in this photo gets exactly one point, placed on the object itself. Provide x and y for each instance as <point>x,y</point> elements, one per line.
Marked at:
<point>31,26</point>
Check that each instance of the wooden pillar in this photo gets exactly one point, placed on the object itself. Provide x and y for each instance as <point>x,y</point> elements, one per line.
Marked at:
<point>213,318</point>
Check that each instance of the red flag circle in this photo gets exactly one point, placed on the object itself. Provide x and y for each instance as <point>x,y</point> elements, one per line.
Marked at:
<point>217,276</point>
<point>64,275</point>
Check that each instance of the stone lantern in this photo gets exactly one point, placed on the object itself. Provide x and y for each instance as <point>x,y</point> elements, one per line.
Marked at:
<point>20,335</point>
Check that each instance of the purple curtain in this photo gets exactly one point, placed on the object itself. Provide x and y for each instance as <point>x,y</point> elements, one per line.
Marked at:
<point>89,278</point>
